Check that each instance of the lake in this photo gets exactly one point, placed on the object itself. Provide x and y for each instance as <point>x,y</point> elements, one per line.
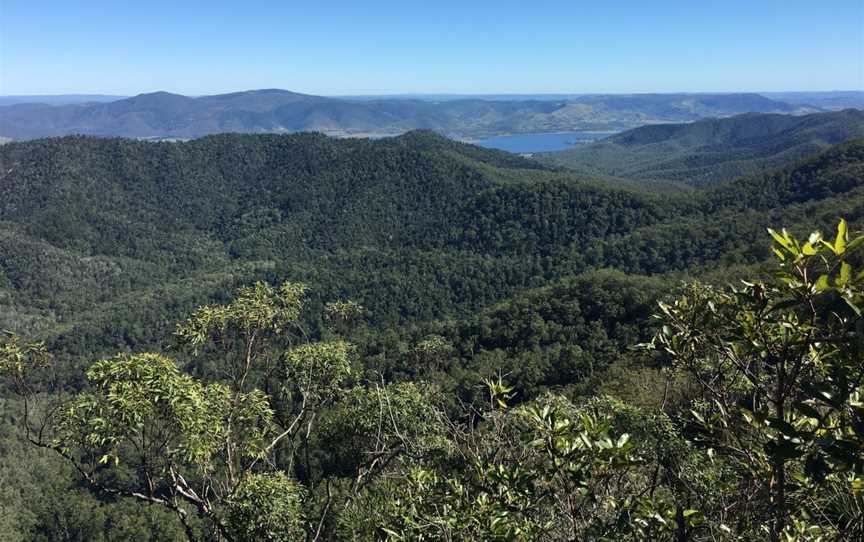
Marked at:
<point>541,142</point>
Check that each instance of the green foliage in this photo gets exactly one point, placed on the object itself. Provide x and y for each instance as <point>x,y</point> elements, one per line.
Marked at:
<point>42,499</point>
<point>770,448</point>
<point>779,367</point>
<point>230,460</point>
<point>259,308</point>
<point>318,370</point>
<point>547,470</point>
<point>20,358</point>
<point>371,426</point>
<point>432,353</point>
<point>144,401</point>
<point>342,315</point>
<point>266,507</point>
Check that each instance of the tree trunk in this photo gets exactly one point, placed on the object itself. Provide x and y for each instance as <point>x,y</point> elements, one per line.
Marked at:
<point>778,489</point>
<point>681,528</point>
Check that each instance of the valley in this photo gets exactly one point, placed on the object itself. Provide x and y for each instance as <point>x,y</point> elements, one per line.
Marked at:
<point>542,142</point>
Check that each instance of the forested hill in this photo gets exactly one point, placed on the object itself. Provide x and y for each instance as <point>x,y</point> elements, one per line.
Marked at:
<point>305,191</point>
<point>706,151</point>
<point>103,242</point>
<point>86,220</point>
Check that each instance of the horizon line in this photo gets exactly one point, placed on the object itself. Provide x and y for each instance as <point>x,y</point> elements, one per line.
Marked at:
<point>432,93</point>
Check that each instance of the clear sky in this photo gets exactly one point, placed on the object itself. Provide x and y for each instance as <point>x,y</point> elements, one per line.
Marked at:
<point>337,47</point>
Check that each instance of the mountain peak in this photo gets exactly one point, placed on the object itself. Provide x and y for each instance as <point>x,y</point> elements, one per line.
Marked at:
<point>159,95</point>
<point>159,98</point>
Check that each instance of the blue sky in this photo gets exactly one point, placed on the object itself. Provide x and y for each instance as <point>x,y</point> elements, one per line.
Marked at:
<point>442,46</point>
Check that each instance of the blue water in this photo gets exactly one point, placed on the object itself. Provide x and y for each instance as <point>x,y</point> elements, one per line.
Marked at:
<point>541,142</point>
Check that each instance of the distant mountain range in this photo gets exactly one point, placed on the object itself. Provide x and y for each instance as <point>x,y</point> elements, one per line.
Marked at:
<point>708,151</point>
<point>162,115</point>
<point>831,100</point>
<point>58,99</point>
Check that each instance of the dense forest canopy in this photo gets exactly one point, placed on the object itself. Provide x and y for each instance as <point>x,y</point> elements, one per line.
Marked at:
<point>284,337</point>
<point>415,228</point>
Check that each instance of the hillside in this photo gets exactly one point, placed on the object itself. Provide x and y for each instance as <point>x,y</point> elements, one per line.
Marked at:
<point>707,151</point>
<point>830,100</point>
<point>85,221</point>
<point>165,115</point>
<point>103,241</point>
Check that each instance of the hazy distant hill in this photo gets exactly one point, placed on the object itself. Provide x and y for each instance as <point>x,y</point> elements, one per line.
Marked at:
<point>166,115</point>
<point>706,151</point>
<point>58,99</point>
<point>830,100</point>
